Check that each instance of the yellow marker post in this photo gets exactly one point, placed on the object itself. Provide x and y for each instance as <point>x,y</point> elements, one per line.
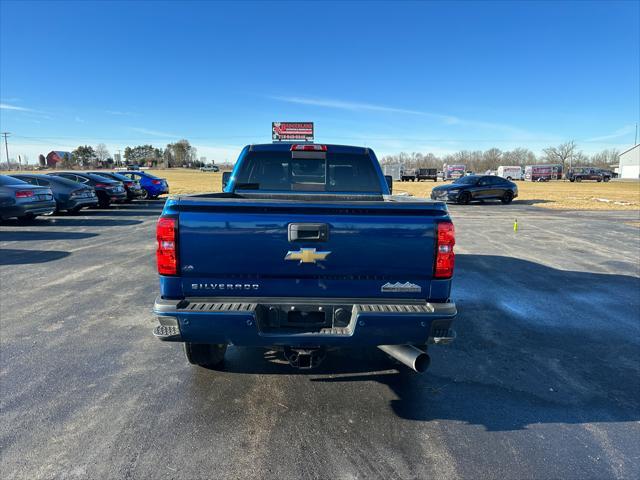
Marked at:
<point>515,225</point>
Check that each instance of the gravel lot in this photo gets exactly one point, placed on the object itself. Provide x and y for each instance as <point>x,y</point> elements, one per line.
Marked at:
<point>542,381</point>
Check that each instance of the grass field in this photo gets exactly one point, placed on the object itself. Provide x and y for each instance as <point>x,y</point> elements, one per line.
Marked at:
<point>616,195</point>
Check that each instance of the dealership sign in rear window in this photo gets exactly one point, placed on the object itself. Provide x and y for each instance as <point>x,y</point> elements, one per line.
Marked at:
<point>288,131</point>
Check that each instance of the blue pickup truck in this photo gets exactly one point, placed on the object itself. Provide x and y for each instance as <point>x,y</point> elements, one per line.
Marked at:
<point>305,250</point>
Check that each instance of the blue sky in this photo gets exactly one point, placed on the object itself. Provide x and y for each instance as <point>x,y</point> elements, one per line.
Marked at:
<point>436,77</point>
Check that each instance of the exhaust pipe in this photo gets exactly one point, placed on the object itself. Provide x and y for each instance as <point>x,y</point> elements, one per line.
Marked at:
<point>412,357</point>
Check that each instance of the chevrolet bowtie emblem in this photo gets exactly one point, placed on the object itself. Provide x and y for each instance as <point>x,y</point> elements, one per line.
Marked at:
<point>306,255</point>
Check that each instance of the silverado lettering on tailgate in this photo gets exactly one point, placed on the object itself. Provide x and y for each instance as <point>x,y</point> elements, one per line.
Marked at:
<point>225,286</point>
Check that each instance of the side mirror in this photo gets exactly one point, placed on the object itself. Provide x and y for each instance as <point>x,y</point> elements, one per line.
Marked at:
<point>389,180</point>
<point>225,179</point>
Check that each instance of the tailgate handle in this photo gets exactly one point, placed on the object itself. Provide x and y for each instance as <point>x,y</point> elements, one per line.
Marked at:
<point>308,232</point>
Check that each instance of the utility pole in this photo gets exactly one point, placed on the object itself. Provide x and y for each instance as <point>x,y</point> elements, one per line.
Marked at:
<point>6,147</point>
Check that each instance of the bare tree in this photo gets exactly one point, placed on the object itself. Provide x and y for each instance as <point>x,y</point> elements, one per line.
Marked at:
<point>102,153</point>
<point>561,154</point>
<point>605,158</point>
<point>580,158</point>
<point>519,156</point>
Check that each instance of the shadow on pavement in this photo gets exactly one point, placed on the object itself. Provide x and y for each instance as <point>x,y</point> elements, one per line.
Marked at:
<point>24,257</point>
<point>535,345</point>
<point>35,235</point>
<point>88,222</point>
<point>120,212</point>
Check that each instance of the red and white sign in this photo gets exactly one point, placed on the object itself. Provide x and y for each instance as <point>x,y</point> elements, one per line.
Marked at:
<point>292,131</point>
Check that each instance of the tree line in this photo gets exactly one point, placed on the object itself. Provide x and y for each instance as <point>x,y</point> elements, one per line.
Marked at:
<point>178,154</point>
<point>480,161</point>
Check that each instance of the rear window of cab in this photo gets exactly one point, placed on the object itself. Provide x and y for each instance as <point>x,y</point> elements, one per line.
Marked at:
<point>279,171</point>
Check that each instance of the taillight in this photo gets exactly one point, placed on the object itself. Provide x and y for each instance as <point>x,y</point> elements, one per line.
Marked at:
<point>24,193</point>
<point>308,148</point>
<point>129,184</point>
<point>166,252</point>
<point>445,258</point>
<point>156,182</point>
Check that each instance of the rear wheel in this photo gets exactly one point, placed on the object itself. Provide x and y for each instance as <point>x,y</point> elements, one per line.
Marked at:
<point>578,179</point>
<point>464,198</point>
<point>204,354</point>
<point>507,197</point>
<point>145,195</point>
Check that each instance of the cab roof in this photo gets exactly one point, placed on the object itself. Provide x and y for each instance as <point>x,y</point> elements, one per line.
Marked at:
<point>286,146</point>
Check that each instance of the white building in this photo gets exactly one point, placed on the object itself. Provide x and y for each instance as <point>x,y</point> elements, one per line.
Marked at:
<point>393,170</point>
<point>630,163</point>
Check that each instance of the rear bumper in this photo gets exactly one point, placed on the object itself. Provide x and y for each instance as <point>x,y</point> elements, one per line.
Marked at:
<point>133,193</point>
<point>79,203</point>
<point>24,209</point>
<point>241,322</point>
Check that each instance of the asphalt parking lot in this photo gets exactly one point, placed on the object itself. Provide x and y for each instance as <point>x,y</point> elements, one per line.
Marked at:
<point>542,382</point>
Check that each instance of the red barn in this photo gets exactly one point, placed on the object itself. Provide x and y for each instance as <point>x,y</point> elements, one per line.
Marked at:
<point>55,157</point>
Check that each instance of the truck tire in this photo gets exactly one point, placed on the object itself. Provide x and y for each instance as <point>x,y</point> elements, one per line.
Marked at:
<point>572,180</point>
<point>578,179</point>
<point>204,354</point>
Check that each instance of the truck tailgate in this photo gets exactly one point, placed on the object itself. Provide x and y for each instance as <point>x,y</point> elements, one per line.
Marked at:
<point>241,247</point>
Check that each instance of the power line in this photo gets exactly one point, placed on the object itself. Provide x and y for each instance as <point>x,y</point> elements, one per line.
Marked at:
<point>6,146</point>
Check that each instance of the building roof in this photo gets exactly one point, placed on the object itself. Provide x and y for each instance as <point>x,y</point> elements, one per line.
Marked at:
<point>628,150</point>
<point>59,153</point>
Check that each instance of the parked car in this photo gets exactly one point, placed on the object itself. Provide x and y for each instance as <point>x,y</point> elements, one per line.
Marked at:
<point>24,201</point>
<point>209,168</point>
<point>578,174</point>
<point>152,186</point>
<point>476,187</point>
<point>132,187</point>
<point>427,174</point>
<point>408,174</point>
<point>326,229</point>
<point>69,196</point>
<point>108,191</point>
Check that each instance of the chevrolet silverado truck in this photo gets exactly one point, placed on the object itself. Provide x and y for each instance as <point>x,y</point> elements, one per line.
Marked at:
<point>305,250</point>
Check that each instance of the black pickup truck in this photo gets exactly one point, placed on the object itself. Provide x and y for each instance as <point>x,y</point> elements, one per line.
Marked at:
<point>578,174</point>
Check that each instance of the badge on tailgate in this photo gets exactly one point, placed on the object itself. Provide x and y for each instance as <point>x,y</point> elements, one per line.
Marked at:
<point>398,287</point>
<point>306,255</point>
